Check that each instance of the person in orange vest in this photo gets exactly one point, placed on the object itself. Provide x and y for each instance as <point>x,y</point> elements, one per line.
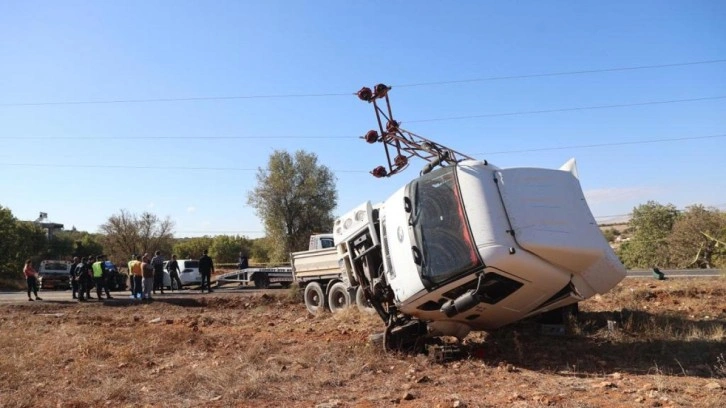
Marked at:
<point>136,276</point>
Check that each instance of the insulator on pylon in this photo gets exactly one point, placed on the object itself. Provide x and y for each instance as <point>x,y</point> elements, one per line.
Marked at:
<point>365,94</point>
<point>379,172</point>
<point>371,136</point>
<point>392,126</point>
<point>401,161</point>
<point>381,90</point>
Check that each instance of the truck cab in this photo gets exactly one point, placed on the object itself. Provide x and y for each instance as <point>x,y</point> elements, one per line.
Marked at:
<point>474,247</point>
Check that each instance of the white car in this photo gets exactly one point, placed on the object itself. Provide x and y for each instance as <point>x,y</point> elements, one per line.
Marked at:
<point>189,273</point>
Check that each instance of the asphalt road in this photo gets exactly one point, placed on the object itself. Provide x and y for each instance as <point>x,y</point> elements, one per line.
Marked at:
<point>65,296</point>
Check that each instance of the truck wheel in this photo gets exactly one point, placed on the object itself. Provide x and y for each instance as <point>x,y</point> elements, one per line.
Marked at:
<point>338,297</point>
<point>314,298</point>
<point>262,282</point>
<point>362,302</point>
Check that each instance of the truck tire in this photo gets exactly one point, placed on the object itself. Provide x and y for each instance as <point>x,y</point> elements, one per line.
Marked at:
<point>262,281</point>
<point>338,297</point>
<point>362,302</point>
<point>314,298</point>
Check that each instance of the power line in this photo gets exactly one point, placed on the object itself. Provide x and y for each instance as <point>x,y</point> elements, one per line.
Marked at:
<point>112,166</point>
<point>553,74</point>
<point>622,105</point>
<point>189,99</point>
<point>597,145</point>
<point>485,115</point>
<point>171,137</point>
<point>337,94</point>
<point>543,149</point>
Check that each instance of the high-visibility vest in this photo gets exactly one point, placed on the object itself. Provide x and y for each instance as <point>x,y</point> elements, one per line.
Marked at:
<point>97,269</point>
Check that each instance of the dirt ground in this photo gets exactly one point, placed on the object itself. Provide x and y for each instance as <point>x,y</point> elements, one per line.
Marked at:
<point>665,348</point>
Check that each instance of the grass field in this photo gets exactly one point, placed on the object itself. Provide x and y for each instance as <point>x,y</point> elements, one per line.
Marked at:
<point>665,346</point>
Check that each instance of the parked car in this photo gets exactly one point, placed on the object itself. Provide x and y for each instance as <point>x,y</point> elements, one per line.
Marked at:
<point>189,273</point>
<point>54,274</point>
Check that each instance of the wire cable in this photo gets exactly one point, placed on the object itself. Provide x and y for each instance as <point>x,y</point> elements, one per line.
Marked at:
<point>112,166</point>
<point>338,94</point>
<point>189,99</point>
<point>539,149</point>
<point>595,145</point>
<point>554,74</point>
<point>581,108</point>
<point>485,115</point>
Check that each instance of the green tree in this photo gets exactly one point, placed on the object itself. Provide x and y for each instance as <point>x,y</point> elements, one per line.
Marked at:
<point>260,250</point>
<point>694,241</point>
<point>19,241</point>
<point>126,233</point>
<point>610,234</point>
<point>86,244</point>
<point>226,248</point>
<point>60,246</point>
<point>191,248</point>
<point>295,197</point>
<point>650,225</point>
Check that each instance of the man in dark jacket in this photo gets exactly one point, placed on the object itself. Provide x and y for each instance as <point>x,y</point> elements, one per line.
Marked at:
<point>158,263</point>
<point>206,268</point>
<point>82,272</point>
<point>173,268</point>
<point>243,262</point>
<point>74,277</point>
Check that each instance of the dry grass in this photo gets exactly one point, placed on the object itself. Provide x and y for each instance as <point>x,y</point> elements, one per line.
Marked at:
<point>265,350</point>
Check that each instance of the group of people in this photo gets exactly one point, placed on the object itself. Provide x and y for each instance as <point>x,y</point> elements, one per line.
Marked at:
<point>86,273</point>
<point>146,276</point>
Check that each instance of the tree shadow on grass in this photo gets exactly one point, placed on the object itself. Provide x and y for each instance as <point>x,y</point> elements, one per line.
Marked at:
<point>640,343</point>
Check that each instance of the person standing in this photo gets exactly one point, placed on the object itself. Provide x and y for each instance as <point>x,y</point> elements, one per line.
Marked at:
<point>136,275</point>
<point>206,268</point>
<point>147,272</point>
<point>31,277</point>
<point>73,277</point>
<point>84,280</point>
<point>173,268</point>
<point>99,278</point>
<point>158,263</point>
<point>243,262</point>
<point>89,277</point>
<point>131,277</point>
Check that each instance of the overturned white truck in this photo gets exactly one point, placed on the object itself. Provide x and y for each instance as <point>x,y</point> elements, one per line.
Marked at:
<point>469,246</point>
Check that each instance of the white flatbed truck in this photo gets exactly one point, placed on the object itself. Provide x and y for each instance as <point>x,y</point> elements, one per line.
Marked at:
<point>284,275</point>
<point>318,273</point>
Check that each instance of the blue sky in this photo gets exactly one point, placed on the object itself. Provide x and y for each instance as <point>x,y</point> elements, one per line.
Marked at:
<point>195,161</point>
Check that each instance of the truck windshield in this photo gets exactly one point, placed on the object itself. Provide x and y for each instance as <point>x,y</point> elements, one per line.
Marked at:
<point>441,230</point>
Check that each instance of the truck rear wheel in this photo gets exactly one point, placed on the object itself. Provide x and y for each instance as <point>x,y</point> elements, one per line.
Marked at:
<point>314,298</point>
<point>338,297</point>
